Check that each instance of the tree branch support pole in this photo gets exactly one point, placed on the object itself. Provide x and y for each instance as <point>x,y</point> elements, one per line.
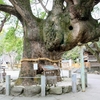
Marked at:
<point>7,85</point>
<point>82,69</point>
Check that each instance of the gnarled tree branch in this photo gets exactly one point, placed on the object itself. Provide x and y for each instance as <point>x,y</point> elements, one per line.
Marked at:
<point>30,22</point>
<point>10,10</point>
<point>24,9</point>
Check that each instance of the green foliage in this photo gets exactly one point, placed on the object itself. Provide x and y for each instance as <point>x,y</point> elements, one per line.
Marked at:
<point>11,42</point>
<point>42,15</point>
<point>31,0</point>
<point>1,47</point>
<point>19,48</point>
<point>72,54</point>
<point>11,36</point>
<point>2,2</point>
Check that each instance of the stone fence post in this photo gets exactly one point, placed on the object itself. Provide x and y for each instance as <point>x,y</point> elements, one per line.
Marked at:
<point>7,85</point>
<point>43,85</point>
<point>74,86</point>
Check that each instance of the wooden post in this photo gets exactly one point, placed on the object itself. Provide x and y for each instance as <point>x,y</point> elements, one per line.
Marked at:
<point>7,85</point>
<point>82,69</point>
<point>43,85</point>
<point>74,86</point>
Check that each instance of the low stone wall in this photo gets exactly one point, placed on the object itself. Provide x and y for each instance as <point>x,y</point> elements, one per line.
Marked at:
<point>29,91</point>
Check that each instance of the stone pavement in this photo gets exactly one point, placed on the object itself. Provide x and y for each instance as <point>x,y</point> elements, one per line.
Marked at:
<point>91,93</point>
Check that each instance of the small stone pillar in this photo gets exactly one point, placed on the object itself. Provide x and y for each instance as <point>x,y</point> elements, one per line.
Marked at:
<point>74,86</point>
<point>43,85</point>
<point>7,85</point>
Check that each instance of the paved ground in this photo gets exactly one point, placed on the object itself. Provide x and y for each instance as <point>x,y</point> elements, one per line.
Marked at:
<point>91,93</point>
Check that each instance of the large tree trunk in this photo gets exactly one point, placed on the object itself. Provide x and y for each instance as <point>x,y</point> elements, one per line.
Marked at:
<point>34,48</point>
